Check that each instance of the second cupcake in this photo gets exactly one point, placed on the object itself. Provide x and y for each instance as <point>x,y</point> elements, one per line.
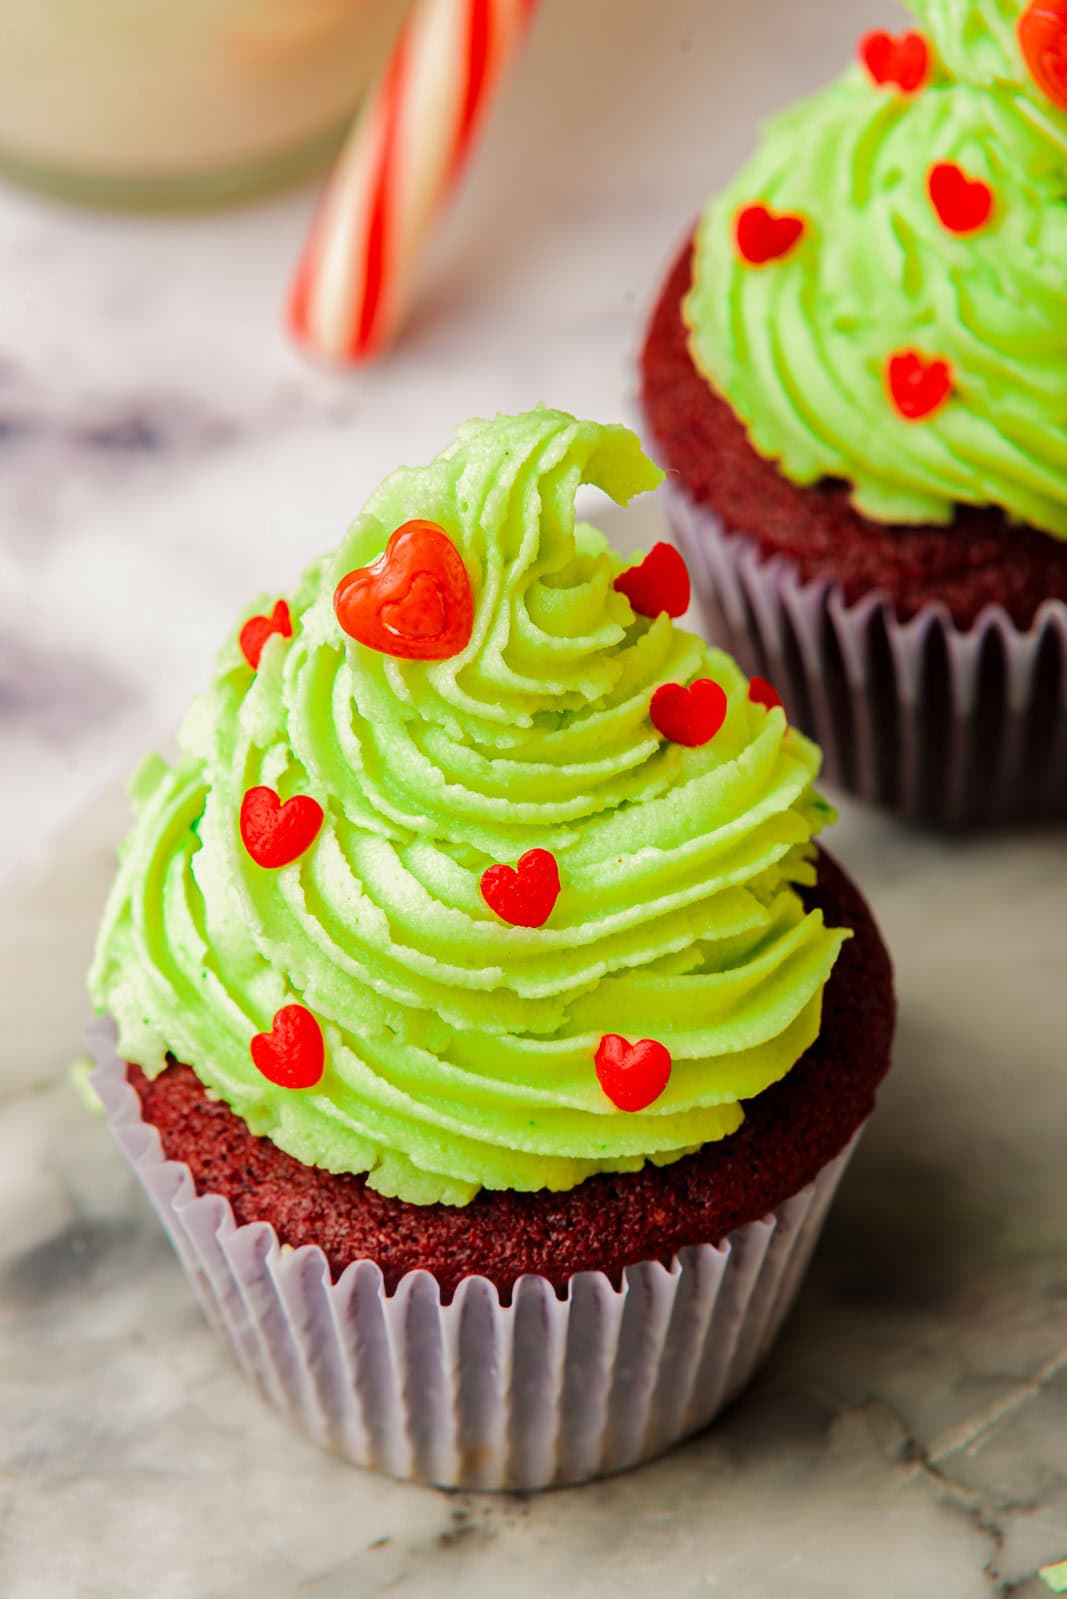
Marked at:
<point>857,374</point>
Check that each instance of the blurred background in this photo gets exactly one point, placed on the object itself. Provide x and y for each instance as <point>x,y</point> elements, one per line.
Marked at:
<point>166,452</point>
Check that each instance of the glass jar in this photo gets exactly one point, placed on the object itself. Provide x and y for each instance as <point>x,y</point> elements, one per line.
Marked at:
<point>191,102</point>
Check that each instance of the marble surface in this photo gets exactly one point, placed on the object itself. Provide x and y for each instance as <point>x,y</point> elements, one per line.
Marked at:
<point>163,453</point>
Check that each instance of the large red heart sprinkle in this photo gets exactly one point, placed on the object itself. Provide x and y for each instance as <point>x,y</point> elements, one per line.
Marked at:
<point>690,716</point>
<point>1042,33</point>
<point>632,1075</point>
<point>962,204</point>
<point>258,629</point>
<point>903,61</point>
<point>524,895</point>
<point>275,834</point>
<point>414,602</point>
<point>760,692</point>
<point>292,1054</point>
<point>659,583</point>
<point>918,387</point>
<point>763,235</point>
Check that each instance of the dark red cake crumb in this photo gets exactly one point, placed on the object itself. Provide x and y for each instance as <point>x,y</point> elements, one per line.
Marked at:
<point>606,1223</point>
<point>980,559</point>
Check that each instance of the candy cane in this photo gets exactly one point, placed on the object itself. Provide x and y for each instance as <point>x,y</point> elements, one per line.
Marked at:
<point>404,155</point>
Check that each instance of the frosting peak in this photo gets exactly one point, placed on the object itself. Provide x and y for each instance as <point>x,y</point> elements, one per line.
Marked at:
<point>347,928</point>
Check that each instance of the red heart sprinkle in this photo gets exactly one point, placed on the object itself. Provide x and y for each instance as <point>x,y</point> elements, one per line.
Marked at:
<point>763,235</point>
<point>414,602</point>
<point>658,583</point>
<point>524,895</point>
<point>1042,34</point>
<point>275,834</point>
<point>760,692</point>
<point>633,1076</point>
<point>903,61</point>
<point>962,204</point>
<point>917,386</point>
<point>292,1054</point>
<point>258,629</point>
<point>690,716</point>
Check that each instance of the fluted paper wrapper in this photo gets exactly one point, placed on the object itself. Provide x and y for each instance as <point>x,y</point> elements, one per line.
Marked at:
<point>949,728</point>
<point>475,1394</point>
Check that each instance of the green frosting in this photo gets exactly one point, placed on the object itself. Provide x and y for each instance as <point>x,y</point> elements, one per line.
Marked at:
<point>799,346</point>
<point>460,1050</point>
<point>979,44</point>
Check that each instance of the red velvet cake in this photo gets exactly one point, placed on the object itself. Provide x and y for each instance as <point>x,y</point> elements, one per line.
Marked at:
<point>982,559</point>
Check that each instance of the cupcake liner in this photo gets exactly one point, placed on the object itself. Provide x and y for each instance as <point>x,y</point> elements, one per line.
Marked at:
<point>947,727</point>
<point>472,1393</point>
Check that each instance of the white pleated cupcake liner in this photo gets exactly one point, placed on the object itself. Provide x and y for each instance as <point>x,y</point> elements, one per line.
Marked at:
<point>473,1393</point>
<point>947,727</point>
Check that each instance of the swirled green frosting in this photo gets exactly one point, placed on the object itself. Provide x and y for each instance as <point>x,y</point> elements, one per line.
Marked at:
<point>979,44</point>
<point>460,1050</point>
<point>799,347</point>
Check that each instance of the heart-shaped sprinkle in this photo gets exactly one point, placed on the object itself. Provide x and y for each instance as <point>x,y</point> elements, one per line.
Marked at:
<point>690,716</point>
<point>918,386</point>
<point>1042,34</point>
<point>763,235</point>
<point>963,204</point>
<point>902,61</point>
<point>760,692</point>
<point>420,614</point>
<point>658,583</point>
<point>292,1054</point>
<point>414,602</point>
<point>275,834</point>
<point>633,1076</point>
<point>258,629</point>
<point>524,895</point>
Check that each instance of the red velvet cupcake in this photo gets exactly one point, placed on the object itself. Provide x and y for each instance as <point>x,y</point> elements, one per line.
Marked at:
<point>527,1032</point>
<point>856,376</point>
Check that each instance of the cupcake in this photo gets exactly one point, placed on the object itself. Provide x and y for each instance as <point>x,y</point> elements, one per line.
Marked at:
<point>477,1008</point>
<point>857,375</point>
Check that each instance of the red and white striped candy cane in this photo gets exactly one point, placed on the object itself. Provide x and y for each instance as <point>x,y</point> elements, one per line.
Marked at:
<point>403,156</point>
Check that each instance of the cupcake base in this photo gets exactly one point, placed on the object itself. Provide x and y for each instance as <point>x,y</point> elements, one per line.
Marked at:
<point>475,1393</point>
<point>610,1221</point>
<point>950,727</point>
<point>526,1340</point>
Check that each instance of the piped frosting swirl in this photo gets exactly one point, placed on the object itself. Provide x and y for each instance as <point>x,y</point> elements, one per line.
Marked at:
<point>459,1051</point>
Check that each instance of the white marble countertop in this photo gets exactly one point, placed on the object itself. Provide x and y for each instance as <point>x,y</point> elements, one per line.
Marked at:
<point>163,454</point>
